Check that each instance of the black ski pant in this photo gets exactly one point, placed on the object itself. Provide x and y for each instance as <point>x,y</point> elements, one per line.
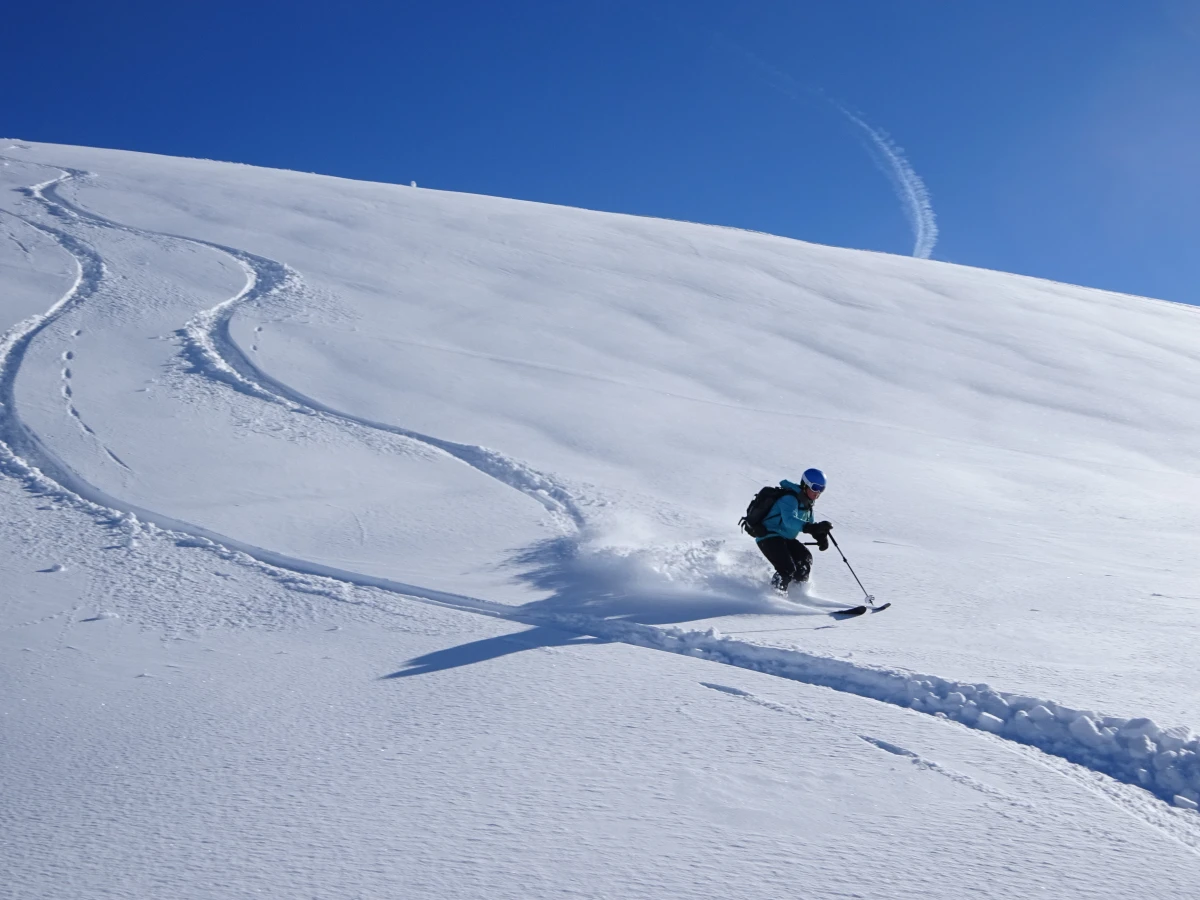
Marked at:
<point>791,559</point>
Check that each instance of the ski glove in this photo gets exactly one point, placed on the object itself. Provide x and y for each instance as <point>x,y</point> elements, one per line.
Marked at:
<point>820,530</point>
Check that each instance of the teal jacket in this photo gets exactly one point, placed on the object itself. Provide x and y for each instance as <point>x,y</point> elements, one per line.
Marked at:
<point>789,515</point>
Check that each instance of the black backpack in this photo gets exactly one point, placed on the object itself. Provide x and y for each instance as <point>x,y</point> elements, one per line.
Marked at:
<point>752,521</point>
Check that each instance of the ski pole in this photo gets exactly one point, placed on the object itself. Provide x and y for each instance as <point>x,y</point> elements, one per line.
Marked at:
<point>870,599</point>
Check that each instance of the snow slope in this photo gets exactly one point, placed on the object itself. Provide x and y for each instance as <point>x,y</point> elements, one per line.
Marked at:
<point>343,522</point>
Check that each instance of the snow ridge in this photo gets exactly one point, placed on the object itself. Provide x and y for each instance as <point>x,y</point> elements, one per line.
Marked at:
<point>1137,751</point>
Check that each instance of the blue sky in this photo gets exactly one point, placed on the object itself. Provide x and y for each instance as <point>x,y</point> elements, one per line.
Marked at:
<point>1057,139</point>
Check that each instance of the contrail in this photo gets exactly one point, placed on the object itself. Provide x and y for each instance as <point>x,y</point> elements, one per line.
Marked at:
<point>889,156</point>
<point>907,183</point>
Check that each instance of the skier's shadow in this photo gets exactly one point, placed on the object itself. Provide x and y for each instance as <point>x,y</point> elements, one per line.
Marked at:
<point>598,588</point>
<point>491,648</point>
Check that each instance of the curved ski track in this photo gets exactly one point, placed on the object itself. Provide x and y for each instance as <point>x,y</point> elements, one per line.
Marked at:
<point>1138,752</point>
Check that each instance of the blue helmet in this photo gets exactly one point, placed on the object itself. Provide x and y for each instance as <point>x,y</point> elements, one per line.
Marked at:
<point>814,479</point>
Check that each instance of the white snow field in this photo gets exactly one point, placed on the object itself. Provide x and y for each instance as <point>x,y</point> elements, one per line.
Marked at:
<point>368,541</point>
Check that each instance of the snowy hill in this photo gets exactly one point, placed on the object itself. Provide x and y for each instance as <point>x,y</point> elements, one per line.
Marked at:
<point>345,525</point>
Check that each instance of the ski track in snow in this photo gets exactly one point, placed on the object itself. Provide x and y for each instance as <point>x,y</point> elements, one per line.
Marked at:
<point>915,758</point>
<point>212,352</point>
<point>1080,744</point>
<point>1172,822</point>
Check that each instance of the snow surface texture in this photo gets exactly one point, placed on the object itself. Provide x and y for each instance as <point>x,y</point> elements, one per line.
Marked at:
<point>369,345</point>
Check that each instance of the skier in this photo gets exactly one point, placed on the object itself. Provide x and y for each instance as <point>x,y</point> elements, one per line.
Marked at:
<point>791,514</point>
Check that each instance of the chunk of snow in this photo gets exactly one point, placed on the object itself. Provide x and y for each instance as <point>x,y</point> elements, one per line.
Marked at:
<point>1165,759</point>
<point>1170,781</point>
<point>991,723</point>
<point>1141,747</point>
<point>1027,729</point>
<point>1138,727</point>
<point>1174,738</point>
<point>1041,714</point>
<point>995,705</point>
<point>1084,730</point>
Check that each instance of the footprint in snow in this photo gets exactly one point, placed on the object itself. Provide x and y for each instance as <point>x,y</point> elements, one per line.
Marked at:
<point>101,616</point>
<point>889,747</point>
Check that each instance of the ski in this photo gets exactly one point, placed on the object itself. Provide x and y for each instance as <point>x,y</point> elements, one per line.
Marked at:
<point>858,611</point>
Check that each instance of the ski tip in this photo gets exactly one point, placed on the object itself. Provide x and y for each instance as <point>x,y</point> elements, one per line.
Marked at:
<point>882,607</point>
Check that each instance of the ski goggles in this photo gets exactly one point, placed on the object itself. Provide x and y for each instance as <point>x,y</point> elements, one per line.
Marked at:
<point>815,488</point>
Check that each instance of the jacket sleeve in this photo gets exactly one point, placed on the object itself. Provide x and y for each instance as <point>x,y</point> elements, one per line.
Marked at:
<point>790,517</point>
